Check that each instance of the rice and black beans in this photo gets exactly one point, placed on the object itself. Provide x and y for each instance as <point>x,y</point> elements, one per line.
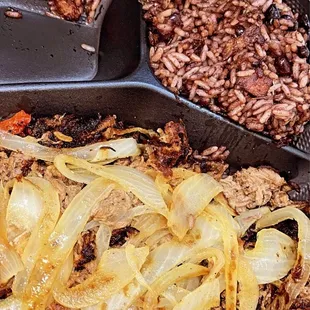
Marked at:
<point>245,59</point>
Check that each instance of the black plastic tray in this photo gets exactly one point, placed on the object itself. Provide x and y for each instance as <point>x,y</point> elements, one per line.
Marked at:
<point>39,48</point>
<point>125,86</point>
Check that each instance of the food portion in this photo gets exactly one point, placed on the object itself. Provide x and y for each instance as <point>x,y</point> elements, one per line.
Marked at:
<point>248,60</point>
<point>73,10</point>
<point>97,215</point>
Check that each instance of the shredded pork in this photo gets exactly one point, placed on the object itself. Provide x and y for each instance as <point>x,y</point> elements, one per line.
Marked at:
<point>255,187</point>
<point>246,189</point>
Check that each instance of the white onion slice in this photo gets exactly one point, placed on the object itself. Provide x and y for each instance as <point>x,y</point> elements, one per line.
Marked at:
<point>147,225</point>
<point>176,274</point>
<point>103,237</point>
<point>248,287</point>
<point>231,250</point>
<point>189,200</point>
<point>24,208</point>
<point>10,303</point>
<point>40,233</point>
<point>273,256</point>
<point>162,259</point>
<point>132,180</point>
<point>62,240</point>
<point>300,273</point>
<point>113,273</point>
<point>172,296</point>
<point>205,297</point>
<point>247,218</point>
<point>10,263</point>
<point>120,148</point>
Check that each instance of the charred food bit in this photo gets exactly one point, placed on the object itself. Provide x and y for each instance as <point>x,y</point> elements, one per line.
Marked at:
<point>72,10</point>
<point>121,235</point>
<point>171,148</point>
<point>67,9</point>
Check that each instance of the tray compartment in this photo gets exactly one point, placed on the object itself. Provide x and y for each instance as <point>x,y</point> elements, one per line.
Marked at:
<point>38,49</point>
<point>139,104</point>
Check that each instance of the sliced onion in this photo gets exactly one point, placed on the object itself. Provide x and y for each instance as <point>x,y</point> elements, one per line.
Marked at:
<point>190,284</point>
<point>200,297</point>
<point>210,254</point>
<point>137,211</point>
<point>189,200</point>
<point>66,269</point>
<point>147,225</point>
<point>10,263</point>
<point>120,148</point>
<point>299,275</point>
<point>248,287</point>
<point>205,233</point>
<point>91,225</point>
<point>273,256</point>
<point>62,240</point>
<point>103,237</point>
<point>96,152</point>
<point>221,199</point>
<point>130,179</point>
<point>134,265</point>
<point>231,251</point>
<point>75,174</point>
<point>160,260</point>
<point>164,187</point>
<point>163,182</point>
<point>172,296</point>
<point>10,303</point>
<point>205,297</point>
<point>147,132</point>
<point>176,274</point>
<point>159,236</point>
<point>182,173</point>
<point>246,219</point>
<point>107,280</point>
<point>24,208</point>
<point>40,233</point>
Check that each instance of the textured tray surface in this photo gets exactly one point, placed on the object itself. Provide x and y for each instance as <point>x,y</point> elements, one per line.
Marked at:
<point>37,48</point>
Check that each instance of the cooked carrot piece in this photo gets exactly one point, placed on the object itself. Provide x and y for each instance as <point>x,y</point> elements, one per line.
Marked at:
<point>17,123</point>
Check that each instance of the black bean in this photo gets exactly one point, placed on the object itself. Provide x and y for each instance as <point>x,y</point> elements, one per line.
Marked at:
<point>239,30</point>
<point>287,17</point>
<point>176,19</point>
<point>282,65</point>
<point>256,63</point>
<point>271,14</point>
<point>303,52</point>
<point>303,21</point>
